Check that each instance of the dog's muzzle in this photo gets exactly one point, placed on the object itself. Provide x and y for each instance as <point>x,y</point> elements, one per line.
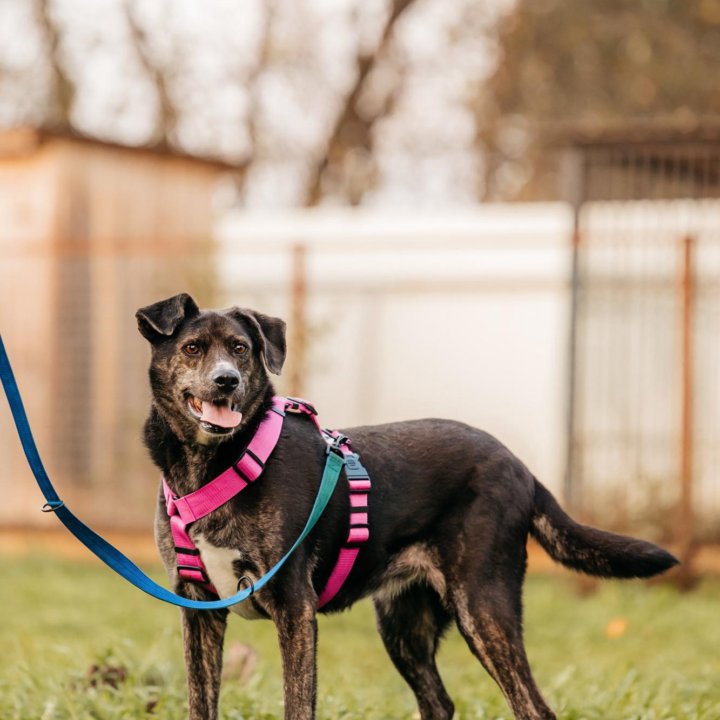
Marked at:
<point>217,418</point>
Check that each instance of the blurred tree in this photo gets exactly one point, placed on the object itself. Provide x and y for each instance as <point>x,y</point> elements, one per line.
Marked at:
<point>346,161</point>
<point>590,63</point>
<point>314,101</point>
<point>165,132</point>
<point>59,110</point>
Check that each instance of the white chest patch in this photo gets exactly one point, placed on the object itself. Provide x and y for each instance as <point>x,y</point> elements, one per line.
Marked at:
<point>218,563</point>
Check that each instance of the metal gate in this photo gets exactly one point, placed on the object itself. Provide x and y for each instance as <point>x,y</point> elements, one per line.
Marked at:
<point>644,421</point>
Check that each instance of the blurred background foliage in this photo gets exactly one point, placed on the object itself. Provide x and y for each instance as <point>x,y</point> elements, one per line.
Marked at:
<point>593,63</point>
<point>401,102</point>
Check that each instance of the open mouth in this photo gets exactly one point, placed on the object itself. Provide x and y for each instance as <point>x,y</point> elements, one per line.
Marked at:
<point>218,418</point>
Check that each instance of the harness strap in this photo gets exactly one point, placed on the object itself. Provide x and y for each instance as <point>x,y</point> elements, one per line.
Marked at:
<point>359,533</point>
<point>186,509</point>
<point>112,557</point>
<point>246,469</point>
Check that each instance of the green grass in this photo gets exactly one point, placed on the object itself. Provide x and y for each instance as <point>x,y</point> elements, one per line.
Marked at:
<point>59,619</point>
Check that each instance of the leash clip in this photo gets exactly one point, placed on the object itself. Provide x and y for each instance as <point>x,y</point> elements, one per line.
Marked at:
<point>52,506</point>
<point>335,443</point>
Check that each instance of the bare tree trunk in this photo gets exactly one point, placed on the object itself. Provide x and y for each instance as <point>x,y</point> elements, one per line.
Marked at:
<point>164,134</point>
<point>252,82</point>
<point>64,89</point>
<point>351,130</point>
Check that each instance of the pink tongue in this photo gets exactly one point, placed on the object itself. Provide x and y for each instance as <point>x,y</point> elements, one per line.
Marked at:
<point>220,415</point>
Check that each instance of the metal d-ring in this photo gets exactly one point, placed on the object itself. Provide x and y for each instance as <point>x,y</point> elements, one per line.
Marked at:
<point>247,579</point>
<point>52,506</point>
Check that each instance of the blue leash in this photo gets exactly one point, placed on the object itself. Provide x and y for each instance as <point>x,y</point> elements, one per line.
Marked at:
<point>104,550</point>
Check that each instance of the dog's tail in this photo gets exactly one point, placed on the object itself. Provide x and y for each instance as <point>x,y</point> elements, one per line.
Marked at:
<point>593,551</point>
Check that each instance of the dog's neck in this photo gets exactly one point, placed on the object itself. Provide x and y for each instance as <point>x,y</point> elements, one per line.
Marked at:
<point>188,464</point>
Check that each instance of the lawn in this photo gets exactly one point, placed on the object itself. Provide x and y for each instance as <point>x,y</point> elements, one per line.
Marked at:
<point>626,652</point>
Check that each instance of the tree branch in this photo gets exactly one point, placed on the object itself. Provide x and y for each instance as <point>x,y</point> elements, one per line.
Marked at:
<point>167,117</point>
<point>64,87</point>
<point>351,130</point>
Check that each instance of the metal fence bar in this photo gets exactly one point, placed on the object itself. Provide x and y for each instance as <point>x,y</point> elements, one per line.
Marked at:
<point>644,444</point>
<point>298,323</point>
<point>686,515</point>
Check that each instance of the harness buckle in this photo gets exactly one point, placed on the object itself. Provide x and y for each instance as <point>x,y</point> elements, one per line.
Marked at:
<point>298,405</point>
<point>354,469</point>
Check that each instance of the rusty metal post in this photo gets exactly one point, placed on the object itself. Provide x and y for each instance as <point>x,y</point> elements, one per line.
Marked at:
<point>573,191</point>
<point>572,490</point>
<point>686,515</point>
<point>298,319</point>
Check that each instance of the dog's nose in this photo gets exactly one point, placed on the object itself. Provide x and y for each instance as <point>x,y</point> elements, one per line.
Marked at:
<point>226,380</point>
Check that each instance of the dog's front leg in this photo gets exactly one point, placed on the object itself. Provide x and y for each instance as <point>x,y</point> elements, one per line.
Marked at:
<point>203,635</point>
<point>297,634</point>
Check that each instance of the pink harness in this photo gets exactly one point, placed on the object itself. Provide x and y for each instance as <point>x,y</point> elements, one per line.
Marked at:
<point>185,510</point>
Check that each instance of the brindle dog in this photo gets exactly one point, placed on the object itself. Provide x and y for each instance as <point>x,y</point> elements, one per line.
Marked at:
<point>450,512</point>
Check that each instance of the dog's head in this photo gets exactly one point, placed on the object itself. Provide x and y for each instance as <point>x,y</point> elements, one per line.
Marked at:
<point>209,369</point>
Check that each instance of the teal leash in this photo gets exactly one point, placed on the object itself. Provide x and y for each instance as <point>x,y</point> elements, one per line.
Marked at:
<point>110,555</point>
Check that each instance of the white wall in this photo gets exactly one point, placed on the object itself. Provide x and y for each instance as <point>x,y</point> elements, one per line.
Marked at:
<point>462,315</point>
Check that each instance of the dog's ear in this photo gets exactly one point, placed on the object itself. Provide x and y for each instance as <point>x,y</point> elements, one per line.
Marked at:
<point>270,333</point>
<point>161,319</point>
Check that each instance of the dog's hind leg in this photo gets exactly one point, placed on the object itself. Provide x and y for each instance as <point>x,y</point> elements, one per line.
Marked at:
<point>411,625</point>
<point>203,635</point>
<point>490,621</point>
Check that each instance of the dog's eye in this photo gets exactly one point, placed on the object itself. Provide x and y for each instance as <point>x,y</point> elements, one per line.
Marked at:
<point>191,349</point>
<point>240,348</point>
